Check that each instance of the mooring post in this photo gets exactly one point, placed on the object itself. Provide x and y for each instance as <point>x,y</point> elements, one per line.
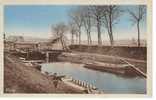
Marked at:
<point>83,84</point>
<point>47,57</point>
<point>27,54</point>
<point>77,82</point>
<point>87,85</point>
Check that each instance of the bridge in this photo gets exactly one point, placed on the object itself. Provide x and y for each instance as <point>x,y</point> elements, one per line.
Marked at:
<point>51,54</point>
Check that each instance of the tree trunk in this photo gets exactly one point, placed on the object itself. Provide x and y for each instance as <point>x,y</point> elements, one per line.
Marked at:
<point>89,29</point>
<point>80,36</point>
<point>90,39</point>
<point>76,39</point>
<point>138,27</point>
<point>62,44</point>
<point>111,39</point>
<point>111,32</point>
<point>99,32</point>
<point>72,38</point>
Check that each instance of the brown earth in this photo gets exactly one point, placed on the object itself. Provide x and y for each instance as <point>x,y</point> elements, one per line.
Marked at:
<point>85,57</point>
<point>19,78</point>
<point>122,51</point>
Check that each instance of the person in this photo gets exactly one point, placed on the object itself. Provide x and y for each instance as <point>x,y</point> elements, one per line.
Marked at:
<point>55,80</point>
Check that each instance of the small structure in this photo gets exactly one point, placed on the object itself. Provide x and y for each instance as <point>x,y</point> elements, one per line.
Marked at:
<point>53,44</point>
<point>9,45</point>
<point>26,45</point>
<point>52,48</point>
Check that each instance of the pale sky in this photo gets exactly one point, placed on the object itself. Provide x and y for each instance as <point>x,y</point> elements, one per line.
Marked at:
<point>36,21</point>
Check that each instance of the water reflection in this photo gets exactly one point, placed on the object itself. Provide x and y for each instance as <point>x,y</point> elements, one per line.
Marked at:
<point>108,82</point>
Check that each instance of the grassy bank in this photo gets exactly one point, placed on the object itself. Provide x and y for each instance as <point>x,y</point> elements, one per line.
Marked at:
<point>122,51</point>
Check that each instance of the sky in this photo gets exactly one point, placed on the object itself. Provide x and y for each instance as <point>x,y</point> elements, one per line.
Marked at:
<point>36,21</point>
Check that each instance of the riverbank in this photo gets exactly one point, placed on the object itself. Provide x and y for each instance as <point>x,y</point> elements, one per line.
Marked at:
<point>139,53</point>
<point>19,78</point>
<point>100,62</point>
<point>105,82</point>
<point>110,63</point>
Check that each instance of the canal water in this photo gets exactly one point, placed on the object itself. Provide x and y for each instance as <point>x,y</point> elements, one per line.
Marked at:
<point>108,82</point>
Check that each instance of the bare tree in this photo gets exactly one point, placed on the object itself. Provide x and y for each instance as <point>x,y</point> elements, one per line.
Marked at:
<point>97,13</point>
<point>87,23</point>
<point>137,16</point>
<point>76,17</point>
<point>111,17</point>
<point>4,36</point>
<point>73,31</point>
<point>59,31</point>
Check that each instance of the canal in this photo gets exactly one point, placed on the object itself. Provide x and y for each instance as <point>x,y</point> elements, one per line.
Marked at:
<point>108,82</point>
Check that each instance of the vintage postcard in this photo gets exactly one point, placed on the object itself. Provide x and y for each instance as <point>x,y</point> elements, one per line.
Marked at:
<point>76,48</point>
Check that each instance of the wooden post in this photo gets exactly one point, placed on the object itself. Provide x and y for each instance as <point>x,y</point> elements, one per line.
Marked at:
<point>83,84</point>
<point>27,54</point>
<point>78,82</point>
<point>47,57</point>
